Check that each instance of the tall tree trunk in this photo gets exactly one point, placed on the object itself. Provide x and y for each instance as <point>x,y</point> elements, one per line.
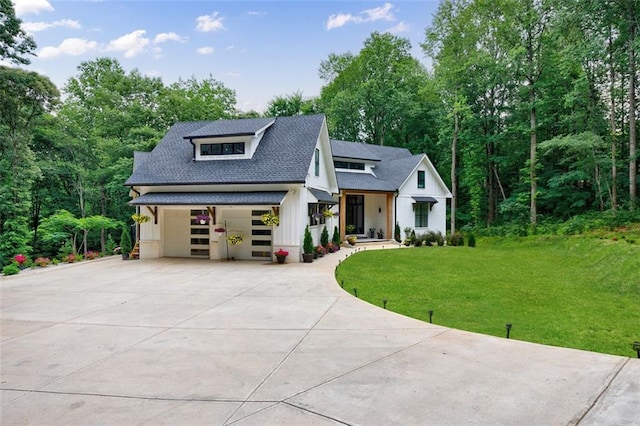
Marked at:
<point>532,155</point>
<point>454,178</point>
<point>612,121</point>
<point>633,161</point>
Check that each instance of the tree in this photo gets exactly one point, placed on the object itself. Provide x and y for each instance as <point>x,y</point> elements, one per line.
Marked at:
<point>368,95</point>
<point>25,97</point>
<point>14,42</point>
<point>290,105</point>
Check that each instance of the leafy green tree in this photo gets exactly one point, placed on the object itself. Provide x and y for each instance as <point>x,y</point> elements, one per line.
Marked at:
<point>369,94</point>
<point>14,42</point>
<point>193,100</point>
<point>290,105</point>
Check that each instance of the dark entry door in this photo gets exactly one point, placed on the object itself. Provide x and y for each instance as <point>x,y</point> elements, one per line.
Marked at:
<point>355,213</point>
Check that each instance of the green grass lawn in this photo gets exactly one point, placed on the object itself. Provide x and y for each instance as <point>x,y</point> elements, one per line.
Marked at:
<point>577,292</point>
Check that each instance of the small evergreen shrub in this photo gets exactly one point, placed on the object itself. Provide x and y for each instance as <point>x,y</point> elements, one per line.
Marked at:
<point>471,241</point>
<point>335,239</point>
<point>396,233</point>
<point>125,240</point>
<point>307,245</point>
<point>324,237</point>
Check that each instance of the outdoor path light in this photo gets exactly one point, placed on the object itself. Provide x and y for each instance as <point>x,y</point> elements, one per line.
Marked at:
<point>636,347</point>
<point>508,329</point>
<point>430,315</point>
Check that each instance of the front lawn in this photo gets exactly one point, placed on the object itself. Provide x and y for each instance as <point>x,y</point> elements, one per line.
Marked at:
<point>578,292</point>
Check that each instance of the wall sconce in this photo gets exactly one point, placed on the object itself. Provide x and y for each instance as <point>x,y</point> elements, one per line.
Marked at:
<point>379,209</point>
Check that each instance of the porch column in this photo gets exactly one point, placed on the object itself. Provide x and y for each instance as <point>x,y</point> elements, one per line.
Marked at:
<point>390,225</point>
<point>343,214</point>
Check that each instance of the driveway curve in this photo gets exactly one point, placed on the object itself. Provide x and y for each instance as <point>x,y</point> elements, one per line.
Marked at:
<point>175,341</point>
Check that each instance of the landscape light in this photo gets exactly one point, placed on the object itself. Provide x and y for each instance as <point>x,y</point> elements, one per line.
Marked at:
<point>508,329</point>
<point>430,315</point>
<point>384,303</point>
<point>636,347</point>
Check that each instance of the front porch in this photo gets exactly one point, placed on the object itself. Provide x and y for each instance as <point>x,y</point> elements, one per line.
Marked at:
<point>368,215</point>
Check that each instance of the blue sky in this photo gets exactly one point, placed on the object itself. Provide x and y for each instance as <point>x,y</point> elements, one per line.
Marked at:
<point>260,49</point>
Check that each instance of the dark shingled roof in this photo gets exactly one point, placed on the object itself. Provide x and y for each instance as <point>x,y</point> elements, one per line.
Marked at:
<point>322,196</point>
<point>247,126</point>
<point>283,155</point>
<point>353,150</point>
<point>268,198</point>
<point>392,169</point>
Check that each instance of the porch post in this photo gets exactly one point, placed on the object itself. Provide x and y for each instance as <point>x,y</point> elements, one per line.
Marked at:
<point>390,225</point>
<point>343,214</point>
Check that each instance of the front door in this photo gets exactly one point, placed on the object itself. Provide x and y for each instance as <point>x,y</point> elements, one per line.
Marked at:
<point>355,213</point>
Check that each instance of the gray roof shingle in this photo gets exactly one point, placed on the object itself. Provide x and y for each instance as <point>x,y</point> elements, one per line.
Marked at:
<point>391,170</point>
<point>283,155</point>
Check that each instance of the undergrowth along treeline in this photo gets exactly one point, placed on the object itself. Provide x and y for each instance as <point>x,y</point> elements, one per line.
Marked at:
<point>579,291</point>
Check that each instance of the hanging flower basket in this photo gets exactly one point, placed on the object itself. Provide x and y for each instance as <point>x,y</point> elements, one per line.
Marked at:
<point>235,239</point>
<point>140,218</point>
<point>270,219</point>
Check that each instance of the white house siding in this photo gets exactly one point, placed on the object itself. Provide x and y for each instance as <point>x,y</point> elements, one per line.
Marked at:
<point>433,188</point>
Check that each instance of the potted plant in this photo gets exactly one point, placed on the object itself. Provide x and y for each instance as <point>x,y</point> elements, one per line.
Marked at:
<point>372,232</point>
<point>125,243</point>
<point>281,255</point>
<point>350,228</point>
<point>352,239</point>
<point>380,234</point>
<point>307,246</point>
<point>320,250</point>
<point>202,219</point>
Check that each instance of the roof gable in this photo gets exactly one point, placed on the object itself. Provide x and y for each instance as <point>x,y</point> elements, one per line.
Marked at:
<point>283,155</point>
<point>243,127</point>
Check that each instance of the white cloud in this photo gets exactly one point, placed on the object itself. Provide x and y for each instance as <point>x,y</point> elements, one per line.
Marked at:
<point>400,27</point>
<point>384,12</point>
<point>164,37</point>
<point>69,47</point>
<point>157,52</point>
<point>209,23</point>
<point>229,47</point>
<point>256,13</point>
<point>207,50</point>
<point>131,44</point>
<point>25,7</point>
<point>233,74</point>
<point>34,27</point>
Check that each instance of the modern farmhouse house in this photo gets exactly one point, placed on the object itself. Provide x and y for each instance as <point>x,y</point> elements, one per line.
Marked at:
<point>208,185</point>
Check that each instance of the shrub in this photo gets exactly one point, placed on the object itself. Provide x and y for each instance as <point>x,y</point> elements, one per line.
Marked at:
<point>307,245</point>
<point>11,269</point>
<point>439,239</point>
<point>71,258</point>
<point>456,239</point>
<point>335,239</point>
<point>42,261</point>
<point>471,241</point>
<point>125,240</point>
<point>90,255</point>
<point>110,245</point>
<point>324,237</point>
<point>396,233</point>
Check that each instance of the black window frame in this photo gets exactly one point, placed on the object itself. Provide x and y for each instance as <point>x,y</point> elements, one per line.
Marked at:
<point>317,162</point>
<point>421,179</point>
<point>421,214</point>
<point>315,213</point>
<point>221,149</point>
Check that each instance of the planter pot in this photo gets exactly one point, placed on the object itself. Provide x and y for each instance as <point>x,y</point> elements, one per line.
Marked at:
<point>125,256</point>
<point>280,259</point>
<point>307,258</point>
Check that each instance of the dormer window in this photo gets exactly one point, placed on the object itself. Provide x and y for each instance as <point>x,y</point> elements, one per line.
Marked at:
<point>228,148</point>
<point>349,165</point>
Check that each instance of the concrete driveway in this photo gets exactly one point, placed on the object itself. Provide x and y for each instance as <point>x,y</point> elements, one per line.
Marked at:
<point>177,342</point>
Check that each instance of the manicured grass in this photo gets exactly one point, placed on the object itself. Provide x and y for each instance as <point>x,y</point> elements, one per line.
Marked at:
<point>577,292</point>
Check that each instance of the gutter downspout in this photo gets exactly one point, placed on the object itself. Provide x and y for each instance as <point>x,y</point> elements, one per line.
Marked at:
<point>137,212</point>
<point>194,149</point>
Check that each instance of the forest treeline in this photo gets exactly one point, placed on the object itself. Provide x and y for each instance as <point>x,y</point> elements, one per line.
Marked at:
<point>527,109</point>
